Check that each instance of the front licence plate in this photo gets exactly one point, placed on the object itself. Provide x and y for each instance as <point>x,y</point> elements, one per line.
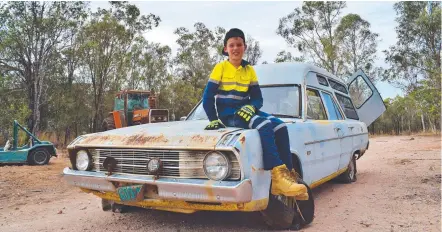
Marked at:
<point>131,193</point>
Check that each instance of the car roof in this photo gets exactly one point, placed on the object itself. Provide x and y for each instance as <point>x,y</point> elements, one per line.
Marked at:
<point>288,73</point>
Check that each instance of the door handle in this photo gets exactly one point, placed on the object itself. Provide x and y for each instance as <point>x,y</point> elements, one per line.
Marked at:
<point>337,129</point>
<point>351,127</point>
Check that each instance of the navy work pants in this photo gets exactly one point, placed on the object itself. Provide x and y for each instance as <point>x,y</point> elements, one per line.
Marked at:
<point>274,137</point>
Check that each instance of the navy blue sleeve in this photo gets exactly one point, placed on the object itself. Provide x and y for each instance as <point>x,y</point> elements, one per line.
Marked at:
<point>255,96</point>
<point>254,90</point>
<point>209,99</point>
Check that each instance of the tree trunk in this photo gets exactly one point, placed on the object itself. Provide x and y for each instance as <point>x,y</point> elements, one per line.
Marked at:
<point>67,135</point>
<point>423,122</point>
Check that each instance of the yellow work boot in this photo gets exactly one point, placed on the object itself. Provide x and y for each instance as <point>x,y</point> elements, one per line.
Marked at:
<point>284,184</point>
<point>295,176</point>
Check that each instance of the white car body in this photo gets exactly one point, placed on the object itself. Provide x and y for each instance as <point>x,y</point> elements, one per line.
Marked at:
<point>322,149</point>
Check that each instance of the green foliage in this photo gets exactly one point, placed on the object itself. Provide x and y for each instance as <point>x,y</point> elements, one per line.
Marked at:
<point>284,56</point>
<point>147,65</point>
<point>311,29</point>
<point>415,59</point>
<point>416,55</point>
<point>197,54</point>
<point>341,46</point>
<point>32,36</point>
<point>253,51</point>
<point>107,44</point>
<point>357,45</point>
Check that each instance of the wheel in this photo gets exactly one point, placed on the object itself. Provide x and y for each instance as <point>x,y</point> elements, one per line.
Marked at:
<point>39,156</point>
<point>350,174</point>
<point>282,212</point>
<point>107,205</point>
<point>108,123</point>
<point>117,208</point>
<point>278,215</point>
<point>307,209</point>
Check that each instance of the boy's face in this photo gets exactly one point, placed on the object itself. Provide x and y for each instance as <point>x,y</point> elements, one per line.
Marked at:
<point>235,48</point>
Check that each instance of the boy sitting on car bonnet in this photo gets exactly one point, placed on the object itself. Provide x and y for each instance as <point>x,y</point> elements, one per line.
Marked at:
<point>238,100</point>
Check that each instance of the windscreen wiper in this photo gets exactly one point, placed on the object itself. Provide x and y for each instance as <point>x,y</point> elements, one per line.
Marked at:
<point>285,116</point>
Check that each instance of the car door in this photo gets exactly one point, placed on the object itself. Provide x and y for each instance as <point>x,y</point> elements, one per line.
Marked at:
<point>342,128</point>
<point>366,98</point>
<point>323,138</point>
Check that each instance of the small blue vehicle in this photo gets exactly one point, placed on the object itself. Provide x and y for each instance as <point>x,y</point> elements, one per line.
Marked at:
<point>36,152</point>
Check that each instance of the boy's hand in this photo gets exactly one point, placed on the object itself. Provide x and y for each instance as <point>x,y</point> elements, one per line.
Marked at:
<point>246,112</point>
<point>215,125</point>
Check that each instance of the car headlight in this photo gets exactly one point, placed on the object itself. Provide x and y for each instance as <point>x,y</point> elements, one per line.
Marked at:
<point>154,166</point>
<point>82,161</point>
<point>216,166</point>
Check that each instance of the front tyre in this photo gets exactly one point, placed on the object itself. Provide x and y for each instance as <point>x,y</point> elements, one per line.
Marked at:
<point>39,156</point>
<point>282,212</point>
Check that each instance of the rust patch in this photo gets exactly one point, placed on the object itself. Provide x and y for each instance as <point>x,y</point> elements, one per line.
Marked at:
<point>203,139</point>
<point>253,169</point>
<point>141,139</point>
<point>242,139</point>
<point>209,189</point>
<point>97,139</point>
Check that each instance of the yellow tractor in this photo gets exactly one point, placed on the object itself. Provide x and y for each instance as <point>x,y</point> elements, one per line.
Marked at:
<point>134,107</point>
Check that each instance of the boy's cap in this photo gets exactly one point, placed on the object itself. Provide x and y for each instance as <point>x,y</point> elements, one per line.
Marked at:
<point>234,32</point>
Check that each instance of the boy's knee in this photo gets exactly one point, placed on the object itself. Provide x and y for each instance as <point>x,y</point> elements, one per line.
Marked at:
<point>258,122</point>
<point>280,127</point>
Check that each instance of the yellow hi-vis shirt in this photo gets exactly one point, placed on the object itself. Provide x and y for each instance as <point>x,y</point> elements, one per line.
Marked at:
<point>233,88</point>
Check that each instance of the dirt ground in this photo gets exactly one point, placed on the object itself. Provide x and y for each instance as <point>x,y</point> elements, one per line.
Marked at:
<point>398,189</point>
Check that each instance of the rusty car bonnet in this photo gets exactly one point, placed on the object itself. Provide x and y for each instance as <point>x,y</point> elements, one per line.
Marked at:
<point>168,135</point>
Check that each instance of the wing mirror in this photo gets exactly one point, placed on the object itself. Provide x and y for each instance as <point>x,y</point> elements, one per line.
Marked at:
<point>183,118</point>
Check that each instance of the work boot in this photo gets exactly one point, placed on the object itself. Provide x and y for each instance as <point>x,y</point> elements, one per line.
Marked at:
<point>295,176</point>
<point>284,184</point>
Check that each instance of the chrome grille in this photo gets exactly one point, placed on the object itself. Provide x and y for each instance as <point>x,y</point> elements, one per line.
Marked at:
<point>178,164</point>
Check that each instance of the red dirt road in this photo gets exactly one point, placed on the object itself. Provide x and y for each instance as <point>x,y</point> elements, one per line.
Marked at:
<point>398,189</point>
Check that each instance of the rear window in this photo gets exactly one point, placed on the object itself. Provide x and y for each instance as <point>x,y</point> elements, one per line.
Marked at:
<point>322,80</point>
<point>347,106</point>
<point>338,86</point>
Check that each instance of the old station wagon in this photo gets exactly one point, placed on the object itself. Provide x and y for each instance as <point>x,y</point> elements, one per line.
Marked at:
<point>180,167</point>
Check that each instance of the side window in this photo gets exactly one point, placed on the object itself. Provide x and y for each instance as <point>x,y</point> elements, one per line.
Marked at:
<point>337,86</point>
<point>347,105</point>
<point>322,80</point>
<point>315,108</point>
<point>360,92</point>
<point>334,113</point>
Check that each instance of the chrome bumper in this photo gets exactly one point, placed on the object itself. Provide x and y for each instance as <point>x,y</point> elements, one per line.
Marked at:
<point>168,188</point>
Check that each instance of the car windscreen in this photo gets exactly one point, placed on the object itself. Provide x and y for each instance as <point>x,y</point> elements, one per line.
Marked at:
<point>281,101</point>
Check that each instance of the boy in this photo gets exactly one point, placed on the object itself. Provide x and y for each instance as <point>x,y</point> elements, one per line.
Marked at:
<point>238,100</point>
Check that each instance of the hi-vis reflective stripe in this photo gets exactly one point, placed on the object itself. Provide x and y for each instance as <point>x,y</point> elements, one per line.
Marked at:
<point>279,127</point>
<point>234,83</point>
<point>240,87</point>
<point>251,121</point>
<point>231,96</point>
<point>213,81</point>
<point>262,124</point>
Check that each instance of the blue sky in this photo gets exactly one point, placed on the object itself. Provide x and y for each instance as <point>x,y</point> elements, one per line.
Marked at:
<point>260,20</point>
